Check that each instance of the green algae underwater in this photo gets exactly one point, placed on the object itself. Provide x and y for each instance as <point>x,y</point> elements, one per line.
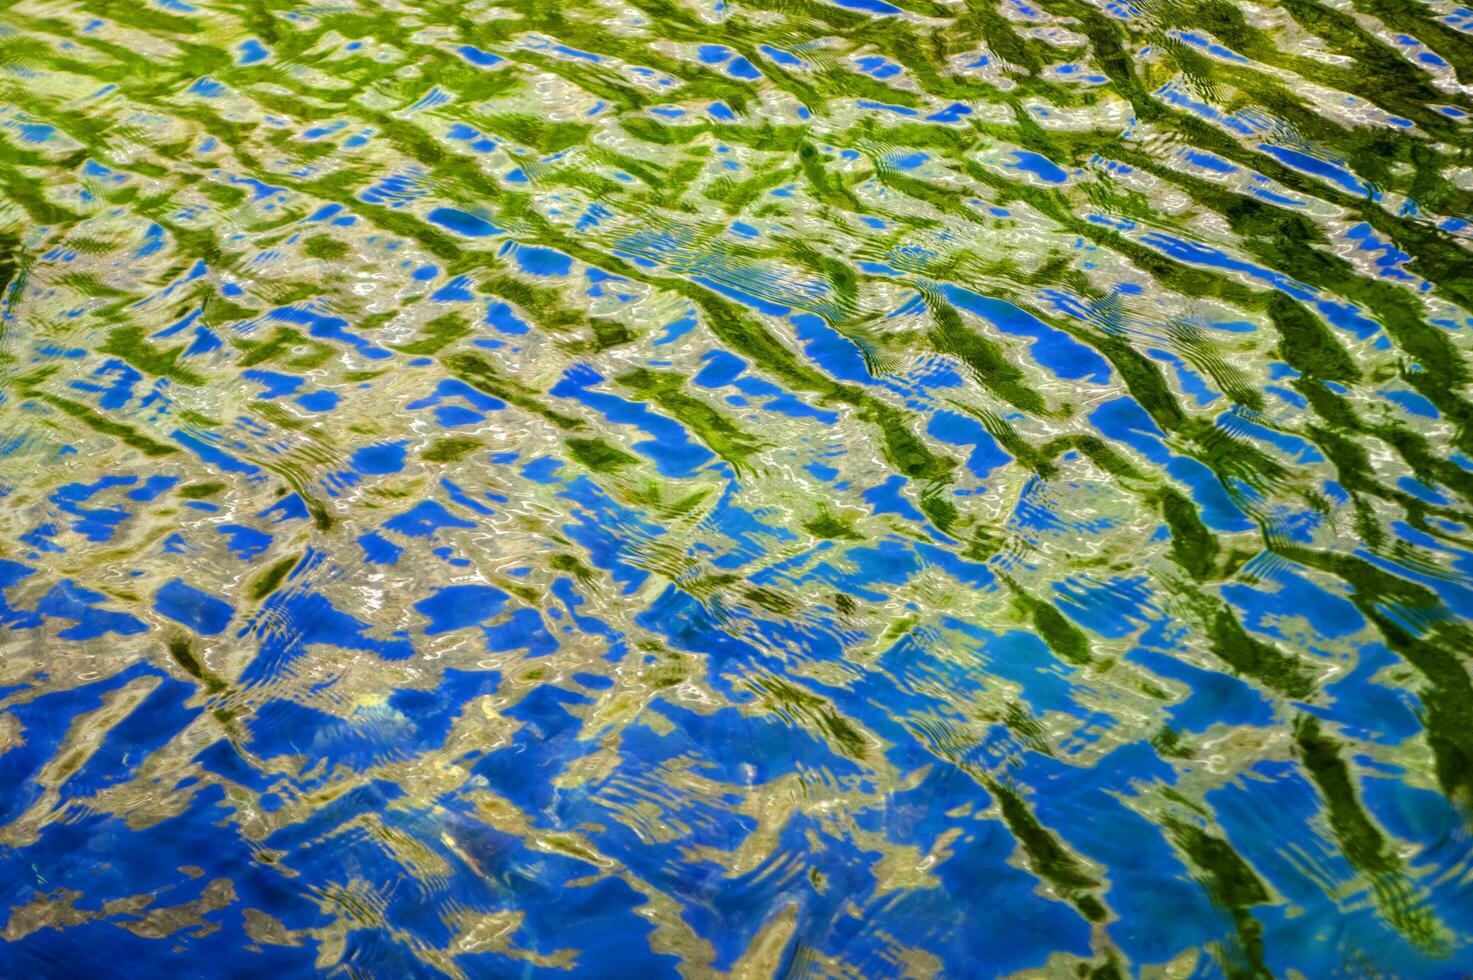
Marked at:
<point>778,488</point>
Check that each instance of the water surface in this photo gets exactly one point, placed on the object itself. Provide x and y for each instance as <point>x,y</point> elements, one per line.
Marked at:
<point>634,488</point>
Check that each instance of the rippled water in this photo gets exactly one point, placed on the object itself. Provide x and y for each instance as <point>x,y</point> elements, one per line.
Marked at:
<point>633,488</point>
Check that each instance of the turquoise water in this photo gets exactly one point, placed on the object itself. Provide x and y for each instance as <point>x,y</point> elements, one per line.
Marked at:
<point>632,488</point>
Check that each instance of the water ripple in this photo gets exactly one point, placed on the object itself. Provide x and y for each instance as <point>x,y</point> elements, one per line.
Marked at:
<point>778,487</point>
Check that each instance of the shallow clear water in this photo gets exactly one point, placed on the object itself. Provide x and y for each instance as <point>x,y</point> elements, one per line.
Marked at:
<point>789,488</point>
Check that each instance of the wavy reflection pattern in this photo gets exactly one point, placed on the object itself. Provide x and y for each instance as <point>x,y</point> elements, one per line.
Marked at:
<point>842,488</point>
